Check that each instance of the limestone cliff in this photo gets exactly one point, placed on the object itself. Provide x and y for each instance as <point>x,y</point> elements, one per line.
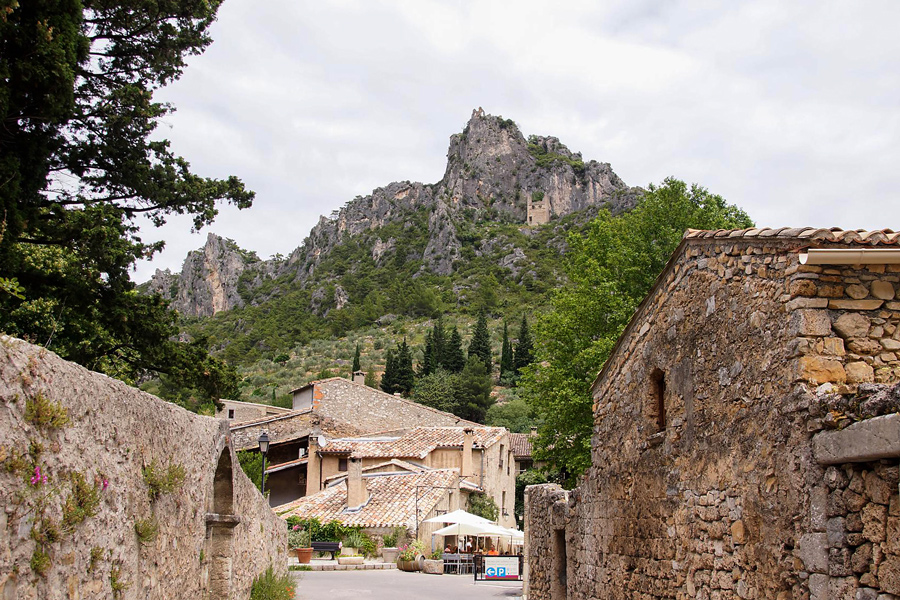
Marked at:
<point>493,173</point>
<point>208,282</point>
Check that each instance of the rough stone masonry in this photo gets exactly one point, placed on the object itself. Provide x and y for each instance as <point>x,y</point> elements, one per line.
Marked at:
<point>715,472</point>
<point>108,492</point>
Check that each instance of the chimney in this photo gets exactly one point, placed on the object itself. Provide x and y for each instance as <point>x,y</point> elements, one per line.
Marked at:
<point>359,377</point>
<point>356,485</point>
<point>533,430</point>
<point>313,469</point>
<point>468,435</point>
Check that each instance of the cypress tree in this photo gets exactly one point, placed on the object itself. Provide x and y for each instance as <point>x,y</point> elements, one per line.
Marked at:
<point>429,364</point>
<point>507,364</point>
<point>455,359</point>
<point>406,377</point>
<point>480,345</point>
<point>389,378</point>
<point>356,365</point>
<point>524,354</point>
<point>438,340</point>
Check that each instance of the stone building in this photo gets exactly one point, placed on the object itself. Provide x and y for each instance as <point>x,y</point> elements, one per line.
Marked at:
<point>719,466</point>
<point>109,492</point>
<point>481,456</point>
<point>538,211</point>
<point>333,408</point>
<point>240,412</point>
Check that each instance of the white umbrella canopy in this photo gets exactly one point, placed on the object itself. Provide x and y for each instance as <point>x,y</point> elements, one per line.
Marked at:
<point>466,529</point>
<point>459,516</point>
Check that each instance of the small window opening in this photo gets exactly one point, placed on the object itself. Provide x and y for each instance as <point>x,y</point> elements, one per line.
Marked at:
<point>658,398</point>
<point>342,464</point>
<point>230,413</point>
<point>559,584</point>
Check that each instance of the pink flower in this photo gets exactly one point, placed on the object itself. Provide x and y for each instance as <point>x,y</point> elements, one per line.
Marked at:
<point>38,478</point>
<point>104,485</point>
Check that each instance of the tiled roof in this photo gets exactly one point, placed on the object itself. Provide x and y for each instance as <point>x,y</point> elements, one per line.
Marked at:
<point>878,237</point>
<point>391,503</point>
<point>520,444</point>
<point>417,443</point>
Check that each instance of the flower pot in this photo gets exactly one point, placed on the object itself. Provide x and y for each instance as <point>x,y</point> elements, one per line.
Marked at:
<point>389,555</point>
<point>433,567</point>
<point>407,565</point>
<point>420,562</point>
<point>304,555</point>
<point>349,551</point>
<point>350,560</point>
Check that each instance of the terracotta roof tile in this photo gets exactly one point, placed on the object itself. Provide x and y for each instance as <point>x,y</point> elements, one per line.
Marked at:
<point>520,444</point>
<point>391,503</point>
<point>417,443</point>
<point>876,237</point>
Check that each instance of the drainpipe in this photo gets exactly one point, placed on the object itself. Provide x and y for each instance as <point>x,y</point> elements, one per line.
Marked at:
<point>481,480</point>
<point>842,256</point>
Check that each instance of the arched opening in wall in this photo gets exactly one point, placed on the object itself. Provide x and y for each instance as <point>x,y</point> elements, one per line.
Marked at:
<point>559,583</point>
<point>220,525</point>
<point>657,401</point>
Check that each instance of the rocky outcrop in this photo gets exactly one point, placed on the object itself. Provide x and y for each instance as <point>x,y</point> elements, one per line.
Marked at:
<point>492,173</point>
<point>208,282</point>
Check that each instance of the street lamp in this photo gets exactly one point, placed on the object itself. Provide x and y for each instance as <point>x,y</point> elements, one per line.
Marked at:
<point>263,449</point>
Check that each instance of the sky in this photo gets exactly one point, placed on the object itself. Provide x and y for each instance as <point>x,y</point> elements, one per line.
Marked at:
<point>790,110</point>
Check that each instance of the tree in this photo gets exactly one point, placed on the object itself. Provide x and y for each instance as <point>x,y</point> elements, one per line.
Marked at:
<point>438,390</point>
<point>515,414</point>
<point>78,166</point>
<point>356,366</point>
<point>480,345</point>
<point>524,354</point>
<point>474,391</point>
<point>389,377</point>
<point>399,375</point>
<point>371,379</point>
<point>484,506</point>
<point>507,365</point>
<point>454,359</point>
<point>611,267</point>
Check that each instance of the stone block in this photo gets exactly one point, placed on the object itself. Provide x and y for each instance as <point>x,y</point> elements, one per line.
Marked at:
<point>883,289</point>
<point>874,518</point>
<point>738,532</point>
<point>890,344</point>
<point>889,575</point>
<point>831,291</point>
<point>837,534</point>
<point>799,303</point>
<point>813,551</point>
<point>818,369</point>
<point>860,561</point>
<point>867,440</point>
<point>842,588</point>
<point>844,304</point>
<point>866,594</point>
<point>852,325</point>
<point>857,291</point>
<point>818,587</point>
<point>864,345</point>
<point>877,489</point>
<point>803,287</point>
<point>859,372</point>
<point>833,346</point>
<point>810,322</point>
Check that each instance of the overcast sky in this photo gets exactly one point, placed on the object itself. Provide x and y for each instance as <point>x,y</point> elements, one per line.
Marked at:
<point>791,110</point>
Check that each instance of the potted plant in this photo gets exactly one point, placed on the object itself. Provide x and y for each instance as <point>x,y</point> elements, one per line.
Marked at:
<point>353,541</point>
<point>434,564</point>
<point>390,551</point>
<point>408,559</point>
<point>298,540</point>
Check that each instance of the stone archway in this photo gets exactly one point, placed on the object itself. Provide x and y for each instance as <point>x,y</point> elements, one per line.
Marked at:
<point>220,523</point>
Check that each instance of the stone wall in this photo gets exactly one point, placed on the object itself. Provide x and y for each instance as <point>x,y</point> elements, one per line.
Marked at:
<point>135,497</point>
<point>707,493</point>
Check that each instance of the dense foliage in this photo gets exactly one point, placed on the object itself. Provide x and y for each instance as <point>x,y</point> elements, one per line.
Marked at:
<point>611,267</point>
<point>78,167</point>
<point>270,586</point>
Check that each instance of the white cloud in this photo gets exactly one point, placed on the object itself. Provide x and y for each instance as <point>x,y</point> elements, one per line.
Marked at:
<point>786,109</point>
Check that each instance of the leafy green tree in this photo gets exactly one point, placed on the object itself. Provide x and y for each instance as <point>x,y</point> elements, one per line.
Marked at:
<point>454,358</point>
<point>611,267</point>
<point>524,354</point>
<point>251,464</point>
<point>484,506</point>
<point>480,345</point>
<point>78,166</point>
<point>515,415</point>
<point>507,364</point>
<point>371,379</point>
<point>523,480</point>
<point>438,390</point>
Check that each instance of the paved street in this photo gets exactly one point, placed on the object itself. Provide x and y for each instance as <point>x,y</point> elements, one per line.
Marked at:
<point>398,585</point>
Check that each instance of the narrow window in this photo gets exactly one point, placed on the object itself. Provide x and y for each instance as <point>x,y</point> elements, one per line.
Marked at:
<point>501,456</point>
<point>230,413</point>
<point>342,464</point>
<point>658,398</point>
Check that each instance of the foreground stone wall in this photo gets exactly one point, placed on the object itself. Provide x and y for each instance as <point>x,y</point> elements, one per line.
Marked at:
<point>709,493</point>
<point>94,522</point>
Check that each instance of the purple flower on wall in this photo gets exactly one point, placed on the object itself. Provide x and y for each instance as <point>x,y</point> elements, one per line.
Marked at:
<point>38,478</point>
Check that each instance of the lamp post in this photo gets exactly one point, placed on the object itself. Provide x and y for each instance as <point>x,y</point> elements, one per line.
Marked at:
<point>263,449</point>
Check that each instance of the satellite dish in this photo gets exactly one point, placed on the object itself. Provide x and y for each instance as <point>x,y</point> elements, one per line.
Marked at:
<point>321,441</point>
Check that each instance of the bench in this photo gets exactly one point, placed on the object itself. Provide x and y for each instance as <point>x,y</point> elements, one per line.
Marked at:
<point>327,547</point>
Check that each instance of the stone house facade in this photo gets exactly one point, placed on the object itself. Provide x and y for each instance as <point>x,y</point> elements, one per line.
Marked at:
<point>481,456</point>
<point>239,412</point>
<point>708,478</point>
<point>111,492</point>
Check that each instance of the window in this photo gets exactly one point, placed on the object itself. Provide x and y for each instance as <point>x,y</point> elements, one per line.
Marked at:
<point>503,510</point>
<point>658,399</point>
<point>501,456</point>
<point>342,464</point>
<point>230,413</point>
<point>559,584</point>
